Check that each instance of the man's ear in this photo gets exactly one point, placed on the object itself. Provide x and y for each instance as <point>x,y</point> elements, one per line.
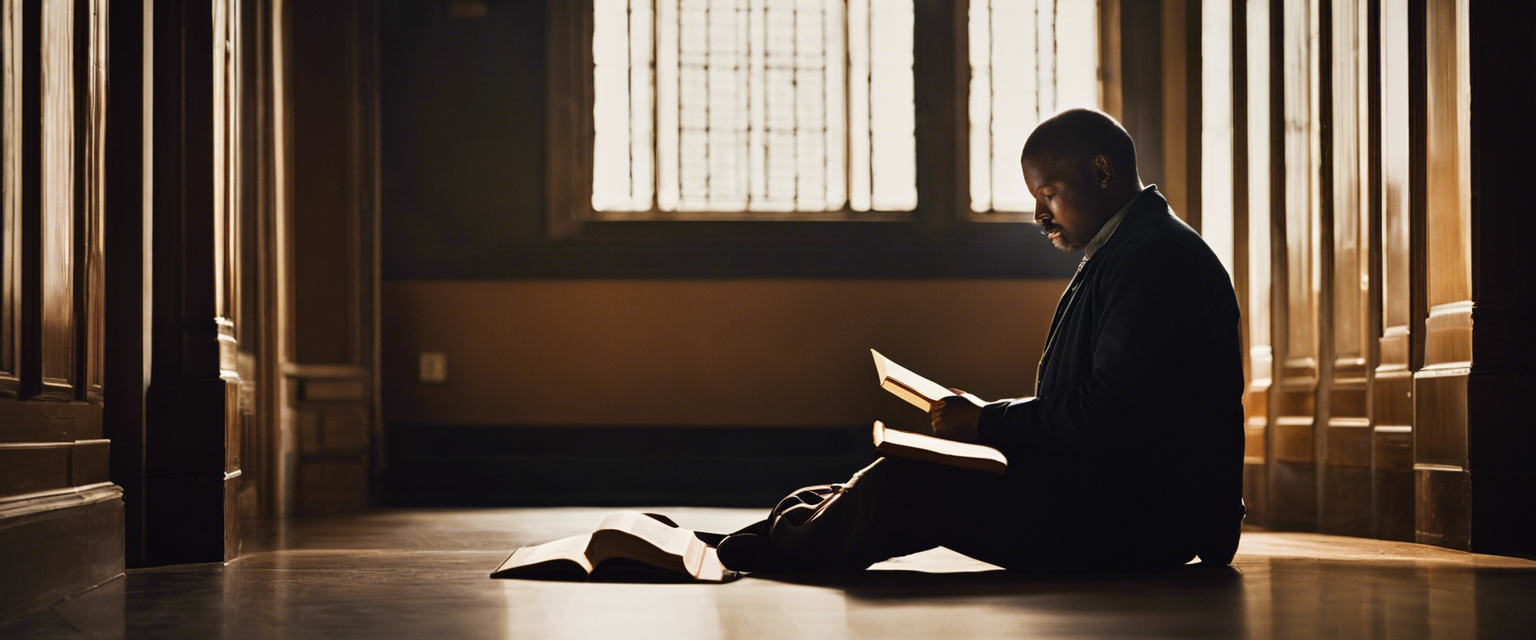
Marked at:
<point>1103,170</point>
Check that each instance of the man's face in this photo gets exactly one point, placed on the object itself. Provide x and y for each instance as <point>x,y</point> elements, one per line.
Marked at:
<point>1064,201</point>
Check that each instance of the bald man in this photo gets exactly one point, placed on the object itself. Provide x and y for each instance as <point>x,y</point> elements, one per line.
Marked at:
<point>1129,453</point>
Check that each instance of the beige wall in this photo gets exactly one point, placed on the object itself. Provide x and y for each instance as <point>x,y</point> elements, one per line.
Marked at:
<point>702,352</point>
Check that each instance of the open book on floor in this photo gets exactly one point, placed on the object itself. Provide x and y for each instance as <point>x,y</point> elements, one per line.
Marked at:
<point>627,547</point>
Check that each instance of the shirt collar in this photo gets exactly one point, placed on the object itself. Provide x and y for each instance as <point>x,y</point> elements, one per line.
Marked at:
<point>1110,225</point>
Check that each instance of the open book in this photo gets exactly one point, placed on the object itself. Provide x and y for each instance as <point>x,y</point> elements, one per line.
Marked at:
<point>906,444</point>
<point>923,394</point>
<point>627,547</point>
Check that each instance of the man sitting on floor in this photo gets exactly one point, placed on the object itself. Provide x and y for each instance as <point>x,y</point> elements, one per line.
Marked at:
<point>1130,453</point>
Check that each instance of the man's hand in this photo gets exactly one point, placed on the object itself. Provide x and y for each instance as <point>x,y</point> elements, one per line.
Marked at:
<point>954,417</point>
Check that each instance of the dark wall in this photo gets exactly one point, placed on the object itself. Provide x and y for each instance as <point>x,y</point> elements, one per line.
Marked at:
<point>462,127</point>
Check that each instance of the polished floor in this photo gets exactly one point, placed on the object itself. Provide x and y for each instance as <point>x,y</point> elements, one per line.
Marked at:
<point>423,574</point>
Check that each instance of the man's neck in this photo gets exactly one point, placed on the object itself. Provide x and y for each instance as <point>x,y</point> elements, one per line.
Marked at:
<point>1113,203</point>
<point>1106,228</point>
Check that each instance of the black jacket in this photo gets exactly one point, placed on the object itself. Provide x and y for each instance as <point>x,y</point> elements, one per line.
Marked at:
<point>1138,420</point>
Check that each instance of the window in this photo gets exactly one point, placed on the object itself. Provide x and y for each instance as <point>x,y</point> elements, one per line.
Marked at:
<point>1029,60</point>
<point>752,109</point>
<point>1216,172</point>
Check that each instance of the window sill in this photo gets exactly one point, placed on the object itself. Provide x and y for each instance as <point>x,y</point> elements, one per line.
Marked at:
<point>745,249</point>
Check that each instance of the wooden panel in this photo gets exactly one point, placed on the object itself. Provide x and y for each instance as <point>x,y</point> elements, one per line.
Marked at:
<point>192,404</point>
<point>1501,448</point>
<point>58,346</point>
<point>10,197</point>
<point>1293,482</point>
<point>1346,492</point>
<point>32,467</point>
<point>58,543</point>
<point>1392,387</point>
<point>90,124</point>
<point>1260,128</point>
<point>1440,388</point>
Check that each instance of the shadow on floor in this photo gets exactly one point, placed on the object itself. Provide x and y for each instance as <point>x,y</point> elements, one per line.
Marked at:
<point>911,584</point>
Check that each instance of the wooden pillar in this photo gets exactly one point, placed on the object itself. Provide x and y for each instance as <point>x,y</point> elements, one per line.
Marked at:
<point>127,291</point>
<point>1261,139</point>
<point>1401,264</point>
<point>1345,498</point>
<point>1441,469</point>
<point>942,125</point>
<point>1298,221</point>
<point>192,470</point>
<point>1501,452</point>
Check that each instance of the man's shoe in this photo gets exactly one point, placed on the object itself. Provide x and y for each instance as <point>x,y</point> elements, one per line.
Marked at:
<point>748,552</point>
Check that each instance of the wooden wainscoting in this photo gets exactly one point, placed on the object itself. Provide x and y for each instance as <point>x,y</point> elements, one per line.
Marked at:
<point>61,519</point>
<point>1344,501</point>
<point>332,412</point>
<point>1440,387</point>
<point>1400,238</point>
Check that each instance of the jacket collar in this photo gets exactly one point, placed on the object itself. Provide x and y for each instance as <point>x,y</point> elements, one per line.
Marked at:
<point>1142,209</point>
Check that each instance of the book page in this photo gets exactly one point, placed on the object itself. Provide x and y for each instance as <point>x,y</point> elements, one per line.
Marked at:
<point>909,386</point>
<point>636,536</point>
<point>906,444</point>
<point>565,550</point>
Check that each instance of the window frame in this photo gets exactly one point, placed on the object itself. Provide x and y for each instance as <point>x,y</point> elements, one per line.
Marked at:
<point>940,238</point>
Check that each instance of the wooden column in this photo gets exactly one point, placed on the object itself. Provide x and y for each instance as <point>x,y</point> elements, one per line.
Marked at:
<point>1293,468</point>
<point>1401,263</point>
<point>192,470</point>
<point>1345,500</point>
<point>1440,388</point>
<point>1501,452</point>
<point>942,125</point>
<point>1261,134</point>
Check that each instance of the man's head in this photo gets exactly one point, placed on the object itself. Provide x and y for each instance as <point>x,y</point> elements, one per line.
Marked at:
<point>1080,165</point>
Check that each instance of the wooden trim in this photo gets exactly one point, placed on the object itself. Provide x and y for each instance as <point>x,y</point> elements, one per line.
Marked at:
<point>304,370</point>
<point>49,421</point>
<point>193,445</point>
<point>711,250</point>
<point>13,507</point>
<point>1194,114</point>
<point>29,356</point>
<point>127,284</point>
<point>10,191</point>
<point>1141,85</point>
<point>1110,63</point>
<point>58,543</point>
<point>568,98</point>
<point>942,133</point>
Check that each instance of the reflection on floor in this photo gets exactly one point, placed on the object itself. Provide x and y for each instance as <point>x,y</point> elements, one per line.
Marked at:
<point>423,574</point>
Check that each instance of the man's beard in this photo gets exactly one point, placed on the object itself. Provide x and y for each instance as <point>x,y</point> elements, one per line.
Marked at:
<point>1063,242</point>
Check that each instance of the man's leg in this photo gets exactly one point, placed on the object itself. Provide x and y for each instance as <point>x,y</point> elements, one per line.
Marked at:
<point>892,508</point>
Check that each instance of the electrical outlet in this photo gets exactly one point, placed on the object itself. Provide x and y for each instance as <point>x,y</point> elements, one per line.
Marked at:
<point>434,367</point>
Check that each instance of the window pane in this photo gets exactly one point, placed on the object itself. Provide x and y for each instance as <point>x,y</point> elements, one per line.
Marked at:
<point>1216,177</point>
<point>1029,59</point>
<point>758,105</point>
<point>621,107</point>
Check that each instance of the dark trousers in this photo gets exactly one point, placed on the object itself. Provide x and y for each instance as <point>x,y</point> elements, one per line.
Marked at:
<point>896,507</point>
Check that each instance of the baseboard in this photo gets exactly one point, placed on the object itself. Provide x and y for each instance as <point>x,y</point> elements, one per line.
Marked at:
<point>57,543</point>
<point>521,465</point>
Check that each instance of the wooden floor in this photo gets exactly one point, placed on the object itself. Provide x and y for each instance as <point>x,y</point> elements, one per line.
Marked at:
<point>423,574</point>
